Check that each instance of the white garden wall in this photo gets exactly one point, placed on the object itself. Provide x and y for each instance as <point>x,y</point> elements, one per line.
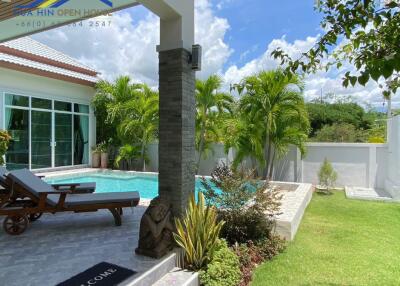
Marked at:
<point>359,165</point>
<point>356,164</point>
<point>362,165</point>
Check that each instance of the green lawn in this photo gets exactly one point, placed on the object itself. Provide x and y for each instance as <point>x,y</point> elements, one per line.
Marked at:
<point>340,242</point>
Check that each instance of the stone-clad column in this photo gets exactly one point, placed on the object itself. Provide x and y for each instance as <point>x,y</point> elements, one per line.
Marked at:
<point>177,128</point>
<point>176,153</point>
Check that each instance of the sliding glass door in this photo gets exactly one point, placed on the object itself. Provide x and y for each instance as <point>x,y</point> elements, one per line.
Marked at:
<point>46,133</point>
<point>41,139</point>
<point>81,139</point>
<point>63,139</point>
<point>17,124</point>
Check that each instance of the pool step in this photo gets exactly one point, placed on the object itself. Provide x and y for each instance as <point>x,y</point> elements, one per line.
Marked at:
<point>166,273</point>
<point>178,277</point>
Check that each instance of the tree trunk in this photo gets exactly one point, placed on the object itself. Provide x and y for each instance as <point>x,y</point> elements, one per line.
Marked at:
<point>201,146</point>
<point>254,166</point>
<point>267,151</point>
<point>142,151</point>
<point>271,166</point>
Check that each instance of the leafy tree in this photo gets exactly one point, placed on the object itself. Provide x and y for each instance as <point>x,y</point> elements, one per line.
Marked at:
<point>337,132</point>
<point>364,33</point>
<point>322,114</point>
<point>345,121</point>
<point>273,101</point>
<point>210,105</point>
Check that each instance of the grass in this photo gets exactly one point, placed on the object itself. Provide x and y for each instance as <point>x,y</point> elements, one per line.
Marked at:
<point>340,242</point>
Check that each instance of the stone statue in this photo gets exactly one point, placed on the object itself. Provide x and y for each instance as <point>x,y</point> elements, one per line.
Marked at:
<point>156,227</point>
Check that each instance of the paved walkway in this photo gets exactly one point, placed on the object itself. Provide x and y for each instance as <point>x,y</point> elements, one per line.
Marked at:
<point>367,194</point>
<point>60,246</point>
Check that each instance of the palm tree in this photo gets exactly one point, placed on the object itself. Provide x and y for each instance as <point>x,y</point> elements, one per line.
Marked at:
<point>273,100</point>
<point>210,105</point>
<point>132,109</point>
<point>292,128</point>
<point>141,116</point>
<point>244,137</point>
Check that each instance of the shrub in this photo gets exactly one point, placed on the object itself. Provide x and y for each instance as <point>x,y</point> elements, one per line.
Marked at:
<point>327,175</point>
<point>4,141</point>
<point>197,233</point>
<point>224,269</point>
<point>271,247</point>
<point>246,205</point>
<point>376,139</point>
<point>253,254</point>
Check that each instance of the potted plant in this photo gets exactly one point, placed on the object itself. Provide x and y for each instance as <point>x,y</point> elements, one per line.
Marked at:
<point>103,148</point>
<point>4,141</point>
<point>327,177</point>
<point>96,153</point>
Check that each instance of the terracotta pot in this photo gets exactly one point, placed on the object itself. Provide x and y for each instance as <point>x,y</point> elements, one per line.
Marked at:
<point>95,160</point>
<point>104,160</point>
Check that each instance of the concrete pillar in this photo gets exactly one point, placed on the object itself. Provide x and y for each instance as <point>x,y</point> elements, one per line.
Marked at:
<point>392,182</point>
<point>177,128</point>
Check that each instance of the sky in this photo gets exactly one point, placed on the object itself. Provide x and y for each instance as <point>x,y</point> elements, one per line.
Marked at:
<point>237,36</point>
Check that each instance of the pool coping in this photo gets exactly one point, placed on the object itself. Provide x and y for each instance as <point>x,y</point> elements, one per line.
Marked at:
<point>293,203</point>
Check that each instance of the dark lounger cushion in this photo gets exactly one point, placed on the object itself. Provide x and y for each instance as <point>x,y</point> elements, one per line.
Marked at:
<point>98,198</point>
<point>30,182</point>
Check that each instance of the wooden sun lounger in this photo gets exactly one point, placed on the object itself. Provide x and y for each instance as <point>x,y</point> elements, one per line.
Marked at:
<point>40,197</point>
<point>77,188</point>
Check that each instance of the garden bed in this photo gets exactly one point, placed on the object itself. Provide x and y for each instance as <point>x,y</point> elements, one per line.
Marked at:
<point>296,197</point>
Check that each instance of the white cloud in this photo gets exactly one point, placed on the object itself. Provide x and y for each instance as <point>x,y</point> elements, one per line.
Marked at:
<point>316,83</point>
<point>118,48</point>
<point>265,61</point>
<point>210,33</point>
<point>129,47</point>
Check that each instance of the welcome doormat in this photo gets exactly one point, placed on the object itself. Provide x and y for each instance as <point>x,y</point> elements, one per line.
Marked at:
<point>102,274</point>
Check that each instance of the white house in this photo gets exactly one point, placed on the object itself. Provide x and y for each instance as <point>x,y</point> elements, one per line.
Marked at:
<point>45,105</point>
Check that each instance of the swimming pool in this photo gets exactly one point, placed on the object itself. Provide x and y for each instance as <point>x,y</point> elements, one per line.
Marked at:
<point>109,181</point>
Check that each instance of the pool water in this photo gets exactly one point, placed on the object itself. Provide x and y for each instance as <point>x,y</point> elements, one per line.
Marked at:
<point>146,185</point>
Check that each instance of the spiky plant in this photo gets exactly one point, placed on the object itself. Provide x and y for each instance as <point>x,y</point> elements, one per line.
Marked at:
<point>197,233</point>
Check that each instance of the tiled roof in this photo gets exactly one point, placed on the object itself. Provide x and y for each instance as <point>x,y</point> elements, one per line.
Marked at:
<point>29,45</point>
<point>26,52</point>
<point>44,67</point>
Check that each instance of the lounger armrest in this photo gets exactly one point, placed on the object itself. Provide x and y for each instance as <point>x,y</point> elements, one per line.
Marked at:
<point>73,188</point>
<point>71,185</point>
<point>56,192</point>
<point>60,204</point>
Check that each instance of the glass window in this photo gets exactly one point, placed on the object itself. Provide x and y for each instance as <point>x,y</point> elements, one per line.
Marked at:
<point>17,100</point>
<point>81,108</point>
<point>17,124</point>
<point>41,103</point>
<point>62,106</point>
<point>81,139</point>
